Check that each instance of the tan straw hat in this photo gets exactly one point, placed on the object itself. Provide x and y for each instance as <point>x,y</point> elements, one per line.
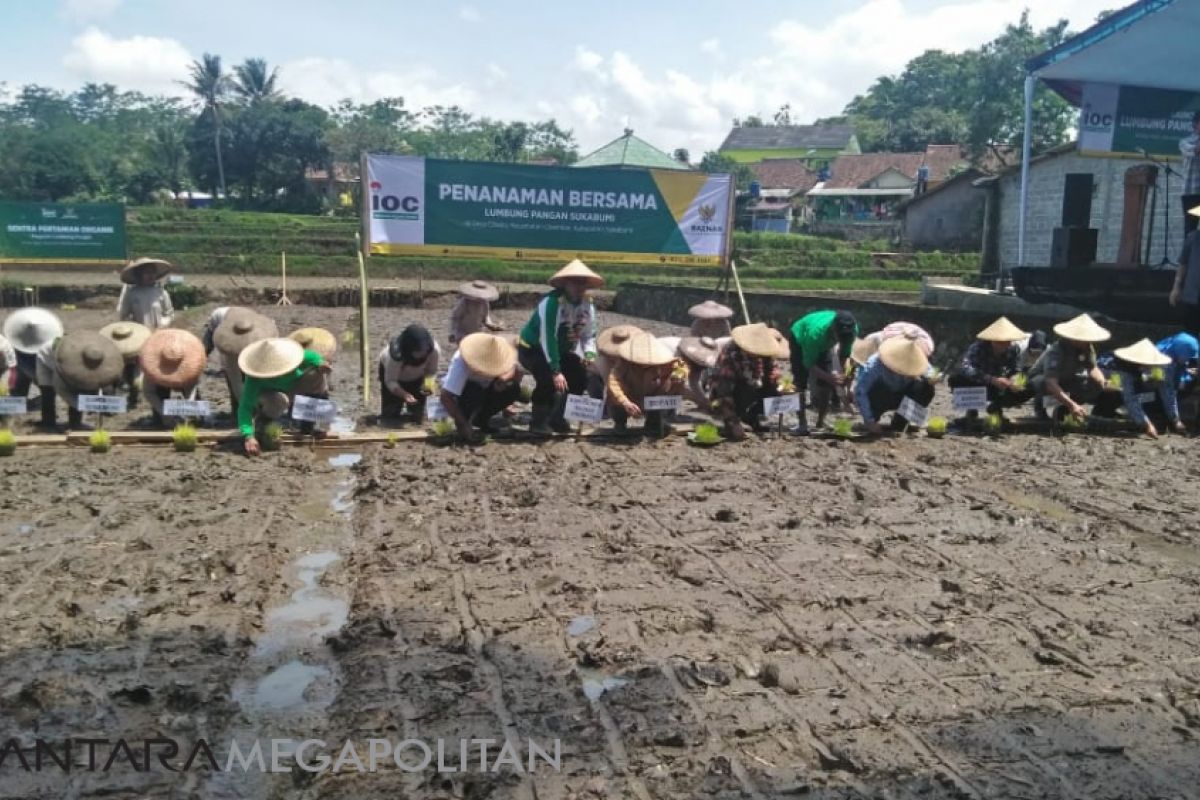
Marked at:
<point>1082,329</point>
<point>576,269</point>
<point>609,342</point>
<point>1195,212</point>
<point>173,359</point>
<point>487,354</point>
<point>1143,353</point>
<point>1001,331</point>
<point>30,329</point>
<point>863,349</point>
<point>782,348</point>
<point>318,340</point>
<point>645,350</point>
<point>88,361</point>
<point>271,358</point>
<point>242,327</point>
<point>757,340</point>
<point>127,336</point>
<point>479,290</point>
<point>710,309</point>
<point>702,350</point>
<point>904,356</point>
<point>161,269</point>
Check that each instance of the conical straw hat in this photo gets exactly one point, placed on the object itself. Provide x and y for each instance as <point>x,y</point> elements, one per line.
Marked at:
<point>710,309</point>
<point>904,356</point>
<point>1195,212</point>
<point>161,268</point>
<point>702,350</point>
<point>318,340</point>
<point>88,361</point>
<point>242,327</point>
<point>172,358</point>
<point>1143,353</point>
<point>30,329</point>
<point>576,269</point>
<point>479,290</point>
<point>645,350</point>
<point>863,349</point>
<point>4,349</point>
<point>271,358</point>
<point>1001,331</point>
<point>487,354</point>
<point>782,348</point>
<point>1082,329</point>
<point>609,342</point>
<point>127,336</point>
<point>756,339</point>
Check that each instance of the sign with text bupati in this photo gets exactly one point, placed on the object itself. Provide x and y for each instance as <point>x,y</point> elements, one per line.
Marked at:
<point>663,402</point>
<point>1124,120</point>
<point>92,233</point>
<point>783,404</point>
<point>581,408</point>
<point>186,408</point>
<point>466,209</point>
<point>102,404</point>
<point>313,409</point>
<point>970,398</point>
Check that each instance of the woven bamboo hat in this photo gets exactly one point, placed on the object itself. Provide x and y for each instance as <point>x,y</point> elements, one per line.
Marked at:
<point>318,340</point>
<point>487,354</point>
<point>863,349</point>
<point>127,336</point>
<point>479,290</point>
<point>161,269</point>
<point>1082,329</point>
<point>240,328</point>
<point>88,361</point>
<point>1001,331</point>
<point>576,269</point>
<point>782,348</point>
<point>756,339</point>
<point>271,358</point>
<point>645,350</point>
<point>702,350</point>
<point>1195,212</point>
<point>609,342</point>
<point>710,309</point>
<point>1143,353</point>
<point>30,329</point>
<point>904,356</point>
<point>172,358</point>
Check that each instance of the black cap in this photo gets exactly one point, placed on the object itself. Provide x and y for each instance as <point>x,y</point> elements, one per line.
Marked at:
<point>1037,340</point>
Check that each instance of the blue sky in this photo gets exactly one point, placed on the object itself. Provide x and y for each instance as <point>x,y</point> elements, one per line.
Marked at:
<point>677,72</point>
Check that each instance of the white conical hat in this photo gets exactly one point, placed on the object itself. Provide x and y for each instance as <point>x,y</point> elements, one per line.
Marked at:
<point>577,269</point>
<point>1001,331</point>
<point>30,329</point>
<point>904,356</point>
<point>1143,353</point>
<point>645,350</point>
<point>487,354</point>
<point>1082,329</point>
<point>271,358</point>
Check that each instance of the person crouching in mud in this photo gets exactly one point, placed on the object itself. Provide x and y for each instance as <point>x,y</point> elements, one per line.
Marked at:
<point>557,344</point>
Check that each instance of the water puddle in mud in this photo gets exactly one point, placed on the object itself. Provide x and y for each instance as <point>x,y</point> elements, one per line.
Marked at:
<point>285,687</point>
<point>343,499</point>
<point>581,625</point>
<point>342,425</point>
<point>596,684</point>
<point>1186,554</point>
<point>1041,505</point>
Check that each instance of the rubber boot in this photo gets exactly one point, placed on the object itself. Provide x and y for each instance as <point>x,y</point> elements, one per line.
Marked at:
<point>49,408</point>
<point>538,420</point>
<point>74,419</point>
<point>558,422</point>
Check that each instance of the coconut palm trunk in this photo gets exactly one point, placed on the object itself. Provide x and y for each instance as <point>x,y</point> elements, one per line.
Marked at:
<point>220,161</point>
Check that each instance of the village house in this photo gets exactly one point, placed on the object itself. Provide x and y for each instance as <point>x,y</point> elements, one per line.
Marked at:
<point>947,217</point>
<point>869,187</point>
<point>815,145</point>
<point>629,152</point>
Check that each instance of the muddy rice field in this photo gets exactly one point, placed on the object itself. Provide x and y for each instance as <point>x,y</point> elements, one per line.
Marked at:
<point>906,618</point>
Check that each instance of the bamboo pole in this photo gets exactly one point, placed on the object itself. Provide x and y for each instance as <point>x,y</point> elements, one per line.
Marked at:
<point>737,282</point>
<point>364,345</point>
<point>284,300</point>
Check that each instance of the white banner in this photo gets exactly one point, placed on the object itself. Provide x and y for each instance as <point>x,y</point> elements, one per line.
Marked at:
<point>186,408</point>
<point>101,404</point>
<point>971,398</point>
<point>663,402</point>
<point>581,408</point>
<point>12,406</point>
<point>313,409</point>
<point>914,412</point>
<point>784,404</point>
<point>397,199</point>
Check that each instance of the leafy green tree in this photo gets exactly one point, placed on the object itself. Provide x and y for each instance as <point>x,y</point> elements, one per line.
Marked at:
<point>682,155</point>
<point>211,87</point>
<point>714,162</point>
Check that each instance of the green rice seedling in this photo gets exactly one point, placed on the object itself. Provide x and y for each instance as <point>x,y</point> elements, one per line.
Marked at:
<point>706,433</point>
<point>1114,381</point>
<point>391,441</point>
<point>936,427</point>
<point>429,385</point>
<point>3,389</point>
<point>185,438</point>
<point>843,428</point>
<point>348,337</point>
<point>993,424</point>
<point>1074,423</point>
<point>443,429</point>
<point>787,385</point>
<point>272,436</point>
<point>8,442</point>
<point>1157,375</point>
<point>100,441</point>
<point>1020,381</point>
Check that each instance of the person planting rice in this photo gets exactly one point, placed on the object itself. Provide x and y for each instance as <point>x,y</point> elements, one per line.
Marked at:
<point>8,363</point>
<point>143,300</point>
<point>276,370</point>
<point>210,327</point>
<point>746,373</point>
<point>710,319</point>
<point>1067,371</point>
<point>646,368</point>
<point>404,364</point>
<point>28,330</point>
<point>1186,289</point>
<point>238,329</point>
<point>1128,369</point>
<point>317,339</point>
<point>1032,348</point>
<point>699,354</point>
<point>472,311</point>
<point>819,342</point>
<point>899,370</point>
<point>172,361</point>
<point>992,361</point>
<point>1178,378</point>
<point>608,355</point>
<point>482,380</point>
<point>83,362</point>
<point>558,343</point>
<point>129,338</point>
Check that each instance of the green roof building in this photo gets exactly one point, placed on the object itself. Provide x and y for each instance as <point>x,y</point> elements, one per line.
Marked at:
<point>630,151</point>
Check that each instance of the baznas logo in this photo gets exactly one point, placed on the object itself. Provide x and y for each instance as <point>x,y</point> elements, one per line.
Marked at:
<point>707,213</point>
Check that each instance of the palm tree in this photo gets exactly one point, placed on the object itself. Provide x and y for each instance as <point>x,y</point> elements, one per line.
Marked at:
<point>254,83</point>
<point>211,87</point>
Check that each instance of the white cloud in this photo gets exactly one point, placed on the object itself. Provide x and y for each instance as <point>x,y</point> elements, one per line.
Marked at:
<point>712,47</point>
<point>325,81</point>
<point>144,63</point>
<point>84,11</point>
<point>470,14</point>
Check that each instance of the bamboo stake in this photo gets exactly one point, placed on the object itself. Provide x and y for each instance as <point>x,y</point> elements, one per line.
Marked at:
<point>364,346</point>
<point>737,282</point>
<point>284,300</point>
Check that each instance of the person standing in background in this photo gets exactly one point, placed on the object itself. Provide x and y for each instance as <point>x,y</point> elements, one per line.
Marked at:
<point>1190,148</point>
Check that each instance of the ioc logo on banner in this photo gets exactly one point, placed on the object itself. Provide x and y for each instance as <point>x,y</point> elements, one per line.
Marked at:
<point>390,206</point>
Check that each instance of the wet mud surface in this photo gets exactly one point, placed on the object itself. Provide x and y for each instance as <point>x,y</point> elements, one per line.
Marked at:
<point>1003,618</point>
